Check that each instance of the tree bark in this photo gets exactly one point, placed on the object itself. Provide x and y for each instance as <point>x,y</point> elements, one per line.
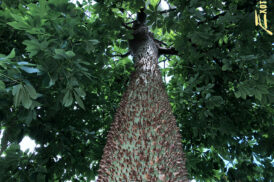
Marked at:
<point>144,143</point>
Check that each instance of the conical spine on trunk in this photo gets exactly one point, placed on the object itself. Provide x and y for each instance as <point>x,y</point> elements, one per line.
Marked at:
<point>144,143</point>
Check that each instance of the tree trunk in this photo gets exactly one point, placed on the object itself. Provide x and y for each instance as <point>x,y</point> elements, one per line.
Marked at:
<point>144,143</point>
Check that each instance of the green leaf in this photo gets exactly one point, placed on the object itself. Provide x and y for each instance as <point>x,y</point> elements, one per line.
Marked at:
<point>2,85</point>
<point>79,101</point>
<point>31,91</point>
<point>29,69</point>
<point>258,95</point>
<point>68,99</point>
<point>19,25</point>
<point>225,39</point>
<point>226,67</point>
<point>15,89</point>
<point>26,101</point>
<point>243,93</point>
<point>80,92</point>
<point>207,95</point>
<point>33,46</point>
<point>17,93</point>
<point>53,79</point>
<point>237,94</point>
<point>220,42</point>
<point>94,41</point>
<point>4,60</point>
<point>70,54</point>
<point>11,54</point>
<point>60,54</point>
<point>154,2</point>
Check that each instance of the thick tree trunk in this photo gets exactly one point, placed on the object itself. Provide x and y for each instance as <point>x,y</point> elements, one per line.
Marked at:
<point>144,143</point>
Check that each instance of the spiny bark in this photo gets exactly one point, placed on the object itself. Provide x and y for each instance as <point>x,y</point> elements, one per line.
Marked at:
<point>144,143</point>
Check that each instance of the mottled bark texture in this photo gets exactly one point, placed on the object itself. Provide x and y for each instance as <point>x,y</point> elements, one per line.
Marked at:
<point>144,143</point>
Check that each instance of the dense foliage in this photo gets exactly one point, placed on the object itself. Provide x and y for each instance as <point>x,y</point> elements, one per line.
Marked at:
<point>61,81</point>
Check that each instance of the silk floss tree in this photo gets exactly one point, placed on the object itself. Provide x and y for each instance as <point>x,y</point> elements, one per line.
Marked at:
<point>144,143</point>
<point>60,86</point>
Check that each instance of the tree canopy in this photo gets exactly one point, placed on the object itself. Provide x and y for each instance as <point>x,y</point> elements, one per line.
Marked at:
<point>63,70</point>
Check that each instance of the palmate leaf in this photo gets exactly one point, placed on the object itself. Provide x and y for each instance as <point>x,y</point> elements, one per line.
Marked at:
<point>19,25</point>
<point>24,93</point>
<point>33,46</point>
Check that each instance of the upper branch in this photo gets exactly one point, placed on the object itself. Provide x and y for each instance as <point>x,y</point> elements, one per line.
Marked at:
<point>168,10</point>
<point>170,51</point>
<point>120,55</point>
<point>212,18</point>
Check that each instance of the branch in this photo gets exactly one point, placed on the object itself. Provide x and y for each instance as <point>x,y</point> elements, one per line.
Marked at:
<point>158,4</point>
<point>168,10</point>
<point>126,26</point>
<point>120,55</point>
<point>130,22</point>
<point>170,51</point>
<point>213,18</point>
<point>167,57</point>
<point>159,42</point>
